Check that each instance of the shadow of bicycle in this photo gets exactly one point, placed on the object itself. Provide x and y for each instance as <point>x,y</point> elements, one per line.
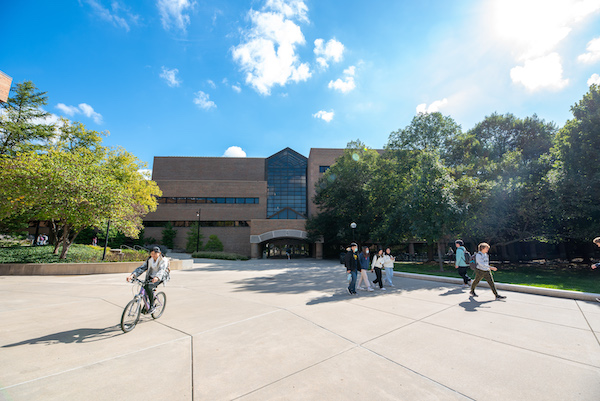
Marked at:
<point>85,335</point>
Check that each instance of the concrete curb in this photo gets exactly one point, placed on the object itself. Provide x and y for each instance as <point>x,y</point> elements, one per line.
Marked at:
<point>56,269</point>
<point>582,296</point>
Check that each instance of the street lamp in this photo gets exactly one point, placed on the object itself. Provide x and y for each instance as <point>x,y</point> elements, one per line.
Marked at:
<point>198,233</point>
<point>353,226</point>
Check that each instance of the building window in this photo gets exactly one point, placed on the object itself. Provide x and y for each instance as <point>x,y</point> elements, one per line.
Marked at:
<point>286,185</point>
<point>163,199</point>
<point>189,223</point>
<point>323,169</point>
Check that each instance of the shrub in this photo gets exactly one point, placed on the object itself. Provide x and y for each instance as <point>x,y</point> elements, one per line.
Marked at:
<point>193,240</point>
<point>213,244</point>
<point>168,236</point>
<point>219,255</point>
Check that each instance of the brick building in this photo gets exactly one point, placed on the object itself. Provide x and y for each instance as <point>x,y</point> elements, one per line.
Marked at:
<point>256,206</point>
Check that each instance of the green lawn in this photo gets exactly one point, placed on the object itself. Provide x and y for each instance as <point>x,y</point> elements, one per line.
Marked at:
<point>77,254</point>
<point>581,279</point>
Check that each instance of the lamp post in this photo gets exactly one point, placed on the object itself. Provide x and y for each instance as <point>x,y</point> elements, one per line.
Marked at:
<point>353,226</point>
<point>198,233</point>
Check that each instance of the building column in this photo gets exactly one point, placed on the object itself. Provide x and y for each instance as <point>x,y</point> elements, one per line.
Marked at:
<point>319,250</point>
<point>255,251</point>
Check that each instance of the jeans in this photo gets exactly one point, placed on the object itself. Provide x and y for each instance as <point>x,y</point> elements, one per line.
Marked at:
<point>389,273</point>
<point>487,276</point>
<point>352,286</point>
<point>149,287</point>
<point>462,271</point>
<point>379,280</point>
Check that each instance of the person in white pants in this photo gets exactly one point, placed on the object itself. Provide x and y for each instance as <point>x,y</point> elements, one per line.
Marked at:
<point>364,261</point>
<point>388,264</point>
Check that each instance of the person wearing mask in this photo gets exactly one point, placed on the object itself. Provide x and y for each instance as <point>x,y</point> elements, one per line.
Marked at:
<point>377,266</point>
<point>352,267</point>
<point>483,270</point>
<point>364,261</point>
<point>388,264</point>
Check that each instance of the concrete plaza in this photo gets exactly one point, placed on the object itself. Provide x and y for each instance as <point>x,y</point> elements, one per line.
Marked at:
<point>279,330</point>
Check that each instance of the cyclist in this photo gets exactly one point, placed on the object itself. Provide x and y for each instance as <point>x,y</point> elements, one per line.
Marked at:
<point>156,267</point>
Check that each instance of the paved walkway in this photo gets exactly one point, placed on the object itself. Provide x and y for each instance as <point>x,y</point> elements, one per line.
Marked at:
<point>278,330</point>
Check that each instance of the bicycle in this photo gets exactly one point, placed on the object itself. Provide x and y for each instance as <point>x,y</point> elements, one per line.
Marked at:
<point>141,304</point>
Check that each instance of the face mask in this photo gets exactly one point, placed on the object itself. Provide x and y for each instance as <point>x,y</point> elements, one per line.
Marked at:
<point>367,251</point>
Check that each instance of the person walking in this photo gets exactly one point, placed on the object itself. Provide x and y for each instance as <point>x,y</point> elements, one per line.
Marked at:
<point>596,265</point>
<point>388,263</point>
<point>377,265</point>
<point>483,270</point>
<point>461,262</point>
<point>351,262</point>
<point>364,262</point>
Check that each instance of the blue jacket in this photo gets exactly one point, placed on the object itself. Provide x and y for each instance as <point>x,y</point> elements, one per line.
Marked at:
<point>363,260</point>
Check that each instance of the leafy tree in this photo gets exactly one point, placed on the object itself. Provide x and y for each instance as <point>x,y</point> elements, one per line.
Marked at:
<point>22,125</point>
<point>576,176</point>
<point>194,242</point>
<point>213,244</point>
<point>168,235</point>
<point>343,196</point>
<point>76,190</point>
<point>427,131</point>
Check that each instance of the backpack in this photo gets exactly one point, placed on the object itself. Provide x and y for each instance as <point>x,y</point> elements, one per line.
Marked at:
<point>470,259</point>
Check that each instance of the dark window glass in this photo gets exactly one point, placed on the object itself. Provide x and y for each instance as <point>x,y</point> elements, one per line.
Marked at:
<point>229,200</point>
<point>286,185</point>
<point>171,200</point>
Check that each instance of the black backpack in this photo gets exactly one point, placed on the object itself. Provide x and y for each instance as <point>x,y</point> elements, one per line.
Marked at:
<point>470,260</point>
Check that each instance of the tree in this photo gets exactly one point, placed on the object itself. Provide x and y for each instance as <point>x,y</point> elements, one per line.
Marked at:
<point>168,235</point>
<point>427,131</point>
<point>193,240</point>
<point>76,190</point>
<point>213,244</point>
<point>576,175</point>
<point>343,197</point>
<point>22,121</point>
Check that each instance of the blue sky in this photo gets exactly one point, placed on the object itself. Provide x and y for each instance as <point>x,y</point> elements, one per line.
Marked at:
<point>204,78</point>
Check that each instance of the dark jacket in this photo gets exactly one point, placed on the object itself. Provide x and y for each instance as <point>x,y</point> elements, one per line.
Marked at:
<point>351,261</point>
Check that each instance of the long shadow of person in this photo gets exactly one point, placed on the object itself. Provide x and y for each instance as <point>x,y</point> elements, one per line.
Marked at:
<point>72,336</point>
<point>472,304</point>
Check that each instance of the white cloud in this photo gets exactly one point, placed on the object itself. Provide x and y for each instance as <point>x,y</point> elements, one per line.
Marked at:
<point>593,52</point>
<point>174,12</point>
<point>433,107</point>
<point>268,52</point>
<point>344,86</point>
<point>211,83</point>
<point>146,173</point>
<point>112,15</point>
<point>83,108</point>
<point>332,51</point>
<point>234,151</point>
<point>534,27</point>
<point>202,101</point>
<point>236,88</point>
<point>324,115</point>
<point>594,79</point>
<point>350,70</point>
<point>544,72</point>
<point>347,84</point>
<point>170,76</point>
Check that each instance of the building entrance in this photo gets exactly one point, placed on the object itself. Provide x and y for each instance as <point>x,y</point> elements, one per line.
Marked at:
<point>279,248</point>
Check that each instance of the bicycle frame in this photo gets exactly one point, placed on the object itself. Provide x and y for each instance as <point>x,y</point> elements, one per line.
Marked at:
<point>142,294</point>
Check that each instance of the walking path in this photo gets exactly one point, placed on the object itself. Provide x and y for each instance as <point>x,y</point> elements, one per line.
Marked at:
<point>279,330</point>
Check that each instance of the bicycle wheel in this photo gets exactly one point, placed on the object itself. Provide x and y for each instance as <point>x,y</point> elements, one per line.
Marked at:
<point>131,315</point>
<point>160,302</point>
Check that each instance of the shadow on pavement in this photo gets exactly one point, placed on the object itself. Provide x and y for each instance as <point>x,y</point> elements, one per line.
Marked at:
<point>72,336</point>
<point>472,304</point>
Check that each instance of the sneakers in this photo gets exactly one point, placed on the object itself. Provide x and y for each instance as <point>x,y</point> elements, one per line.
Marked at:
<point>383,288</point>
<point>500,297</point>
<point>362,288</point>
<point>598,299</point>
<point>472,293</point>
<point>370,289</point>
<point>152,310</point>
<point>349,292</point>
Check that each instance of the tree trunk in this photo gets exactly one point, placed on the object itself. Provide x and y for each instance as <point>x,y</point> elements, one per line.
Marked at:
<point>429,252</point>
<point>55,230</point>
<point>440,249</point>
<point>67,242</point>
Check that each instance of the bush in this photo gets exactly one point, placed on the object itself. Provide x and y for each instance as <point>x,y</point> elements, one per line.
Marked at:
<point>168,236</point>
<point>213,244</point>
<point>219,255</point>
<point>193,240</point>
<point>77,254</point>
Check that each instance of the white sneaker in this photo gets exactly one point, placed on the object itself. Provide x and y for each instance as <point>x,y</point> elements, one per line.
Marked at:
<point>361,288</point>
<point>383,288</point>
<point>370,289</point>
